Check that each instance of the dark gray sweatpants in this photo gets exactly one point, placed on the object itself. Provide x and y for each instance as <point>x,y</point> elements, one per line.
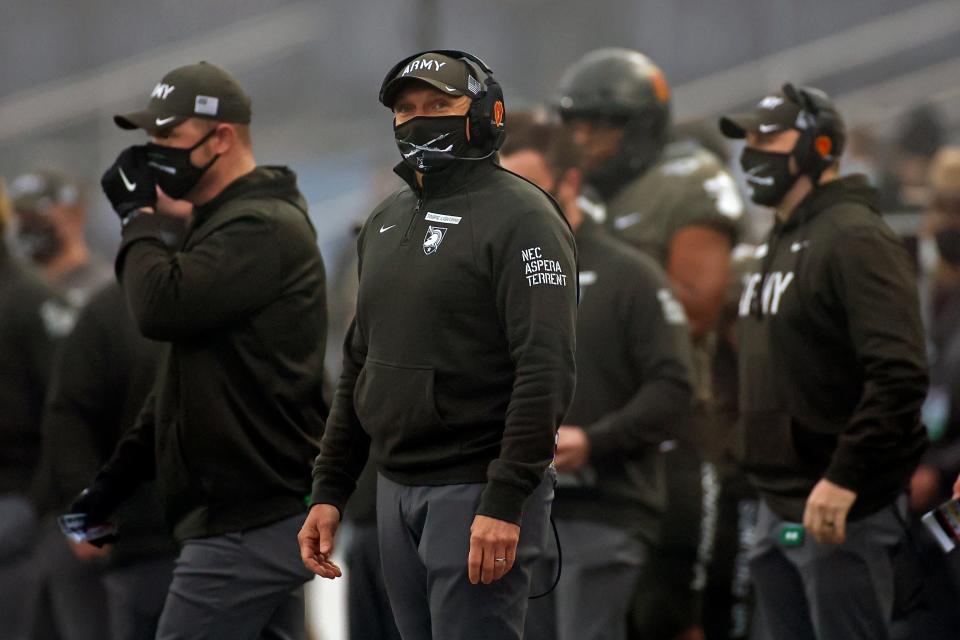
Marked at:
<point>825,592</point>
<point>601,567</point>
<point>424,543</point>
<point>246,585</point>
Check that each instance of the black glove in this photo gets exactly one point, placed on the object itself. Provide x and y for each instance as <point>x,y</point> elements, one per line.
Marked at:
<point>129,183</point>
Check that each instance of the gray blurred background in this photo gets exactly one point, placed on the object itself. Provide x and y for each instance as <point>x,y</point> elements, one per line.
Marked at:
<point>313,70</point>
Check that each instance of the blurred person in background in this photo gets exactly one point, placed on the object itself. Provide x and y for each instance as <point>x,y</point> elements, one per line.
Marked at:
<point>50,221</point>
<point>233,421</point>
<point>458,366</point>
<point>674,200</point>
<point>931,483</point>
<point>832,378</point>
<point>633,393</point>
<point>33,319</point>
<point>903,185</point>
<point>51,217</point>
<point>102,376</point>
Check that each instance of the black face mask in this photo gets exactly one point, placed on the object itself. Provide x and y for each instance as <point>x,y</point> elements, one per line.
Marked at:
<point>175,174</point>
<point>431,143</point>
<point>948,245</point>
<point>768,174</point>
<point>37,238</point>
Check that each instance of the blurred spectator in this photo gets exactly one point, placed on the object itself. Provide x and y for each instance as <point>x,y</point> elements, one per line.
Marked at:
<point>670,197</point>
<point>633,393</point>
<point>103,374</point>
<point>32,320</point>
<point>940,465</point>
<point>931,484</point>
<point>50,218</point>
<point>51,215</point>
<point>904,183</point>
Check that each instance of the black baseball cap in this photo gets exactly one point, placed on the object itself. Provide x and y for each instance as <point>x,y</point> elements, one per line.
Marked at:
<point>444,73</point>
<point>201,90</point>
<point>775,112</point>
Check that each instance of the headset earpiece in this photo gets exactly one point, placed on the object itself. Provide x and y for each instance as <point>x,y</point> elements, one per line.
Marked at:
<point>821,131</point>
<point>823,145</point>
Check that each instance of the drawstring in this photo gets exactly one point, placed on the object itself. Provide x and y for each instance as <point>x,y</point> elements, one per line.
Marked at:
<point>556,580</point>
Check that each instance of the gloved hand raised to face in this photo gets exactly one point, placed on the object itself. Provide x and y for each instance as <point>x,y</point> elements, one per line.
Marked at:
<point>129,183</point>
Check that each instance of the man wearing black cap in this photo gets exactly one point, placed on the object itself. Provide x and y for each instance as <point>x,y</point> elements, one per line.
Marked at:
<point>234,417</point>
<point>458,366</point>
<point>33,322</point>
<point>51,212</point>
<point>832,378</point>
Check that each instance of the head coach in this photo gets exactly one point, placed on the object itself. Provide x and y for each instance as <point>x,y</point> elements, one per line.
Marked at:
<point>458,367</point>
<point>236,413</point>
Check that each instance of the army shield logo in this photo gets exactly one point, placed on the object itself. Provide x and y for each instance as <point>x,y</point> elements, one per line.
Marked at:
<point>431,242</point>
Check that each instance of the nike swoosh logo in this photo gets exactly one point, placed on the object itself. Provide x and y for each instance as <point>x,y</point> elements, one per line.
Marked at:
<point>448,87</point>
<point>382,229</point>
<point>163,121</point>
<point>767,128</point>
<point>126,181</point>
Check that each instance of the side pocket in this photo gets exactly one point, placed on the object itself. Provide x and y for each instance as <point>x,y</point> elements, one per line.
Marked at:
<point>396,406</point>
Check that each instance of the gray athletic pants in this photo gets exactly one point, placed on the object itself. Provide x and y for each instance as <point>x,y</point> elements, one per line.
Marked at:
<point>136,592</point>
<point>238,586</point>
<point>601,566</point>
<point>825,592</point>
<point>424,543</point>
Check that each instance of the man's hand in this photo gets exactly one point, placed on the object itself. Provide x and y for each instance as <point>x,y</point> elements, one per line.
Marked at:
<point>573,448</point>
<point>170,207</point>
<point>493,549</point>
<point>924,488</point>
<point>316,540</point>
<point>825,516</point>
<point>86,552</point>
<point>129,183</point>
<point>956,489</point>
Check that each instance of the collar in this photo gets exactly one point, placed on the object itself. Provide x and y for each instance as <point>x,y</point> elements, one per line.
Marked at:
<point>233,190</point>
<point>853,188</point>
<point>459,174</point>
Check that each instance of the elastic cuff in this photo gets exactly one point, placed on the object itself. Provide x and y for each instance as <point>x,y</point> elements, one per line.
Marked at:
<point>326,495</point>
<point>846,474</point>
<point>502,501</point>
<point>166,230</point>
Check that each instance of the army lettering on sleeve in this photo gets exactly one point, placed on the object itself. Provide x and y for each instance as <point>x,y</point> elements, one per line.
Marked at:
<point>539,270</point>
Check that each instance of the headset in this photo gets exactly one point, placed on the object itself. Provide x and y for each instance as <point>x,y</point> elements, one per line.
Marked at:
<point>486,116</point>
<point>822,132</point>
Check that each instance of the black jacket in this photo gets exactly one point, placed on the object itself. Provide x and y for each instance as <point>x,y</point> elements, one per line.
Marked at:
<point>633,383</point>
<point>460,362</point>
<point>234,420</point>
<point>33,319</point>
<point>104,372</point>
<point>832,362</point>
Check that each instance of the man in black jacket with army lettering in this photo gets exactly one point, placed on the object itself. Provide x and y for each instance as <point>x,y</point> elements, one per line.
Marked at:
<point>236,413</point>
<point>832,378</point>
<point>458,367</point>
